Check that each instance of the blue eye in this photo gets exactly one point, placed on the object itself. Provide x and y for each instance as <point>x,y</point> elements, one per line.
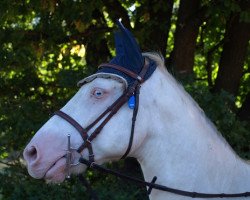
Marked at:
<point>98,93</point>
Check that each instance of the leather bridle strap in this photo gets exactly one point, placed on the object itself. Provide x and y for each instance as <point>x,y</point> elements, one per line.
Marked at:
<point>81,130</point>
<point>133,89</point>
<point>123,70</point>
<point>153,185</point>
<point>118,103</point>
<point>135,111</point>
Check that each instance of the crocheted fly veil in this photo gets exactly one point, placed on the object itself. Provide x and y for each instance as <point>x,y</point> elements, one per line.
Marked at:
<point>128,55</point>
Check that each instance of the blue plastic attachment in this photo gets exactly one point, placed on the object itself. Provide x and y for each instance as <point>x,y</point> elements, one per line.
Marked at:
<point>131,102</point>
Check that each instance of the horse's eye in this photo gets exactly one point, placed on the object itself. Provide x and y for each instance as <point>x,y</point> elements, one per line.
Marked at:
<point>98,93</point>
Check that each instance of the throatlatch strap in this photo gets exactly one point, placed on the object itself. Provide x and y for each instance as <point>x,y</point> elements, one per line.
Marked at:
<point>135,111</point>
<point>136,90</point>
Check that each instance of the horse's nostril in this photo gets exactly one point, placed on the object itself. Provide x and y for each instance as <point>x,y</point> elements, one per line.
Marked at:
<point>30,154</point>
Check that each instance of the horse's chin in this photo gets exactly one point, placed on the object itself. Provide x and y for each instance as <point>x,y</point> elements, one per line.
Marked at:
<point>56,173</point>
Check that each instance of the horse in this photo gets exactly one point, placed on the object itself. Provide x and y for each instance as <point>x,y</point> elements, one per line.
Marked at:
<point>173,139</point>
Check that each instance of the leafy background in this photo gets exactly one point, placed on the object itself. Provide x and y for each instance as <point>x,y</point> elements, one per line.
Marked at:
<point>48,45</point>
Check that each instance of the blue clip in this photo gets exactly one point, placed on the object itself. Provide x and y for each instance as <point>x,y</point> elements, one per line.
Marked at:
<point>131,102</point>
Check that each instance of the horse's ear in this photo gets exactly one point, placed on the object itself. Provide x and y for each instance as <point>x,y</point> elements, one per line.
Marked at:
<point>128,55</point>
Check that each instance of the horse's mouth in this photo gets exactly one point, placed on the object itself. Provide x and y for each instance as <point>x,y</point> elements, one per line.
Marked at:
<point>56,172</point>
<point>61,169</point>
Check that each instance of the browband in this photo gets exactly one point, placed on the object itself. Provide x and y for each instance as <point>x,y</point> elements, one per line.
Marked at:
<point>122,69</point>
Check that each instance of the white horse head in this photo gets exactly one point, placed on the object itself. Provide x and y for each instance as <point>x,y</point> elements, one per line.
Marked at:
<point>45,154</point>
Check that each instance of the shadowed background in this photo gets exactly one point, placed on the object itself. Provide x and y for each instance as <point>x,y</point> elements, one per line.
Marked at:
<point>48,45</point>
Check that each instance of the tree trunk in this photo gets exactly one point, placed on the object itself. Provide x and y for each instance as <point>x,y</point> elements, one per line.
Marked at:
<point>97,53</point>
<point>244,111</point>
<point>117,11</point>
<point>97,50</point>
<point>188,23</point>
<point>234,52</point>
<point>152,25</point>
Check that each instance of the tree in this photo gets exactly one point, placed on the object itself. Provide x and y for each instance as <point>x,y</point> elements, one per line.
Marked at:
<point>244,111</point>
<point>48,45</point>
<point>153,14</point>
<point>234,52</point>
<point>189,20</point>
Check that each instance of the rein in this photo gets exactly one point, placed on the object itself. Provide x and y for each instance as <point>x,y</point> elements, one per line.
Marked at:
<point>132,90</point>
<point>152,185</point>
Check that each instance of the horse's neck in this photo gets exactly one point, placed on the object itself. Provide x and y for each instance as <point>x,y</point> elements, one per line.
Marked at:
<point>184,151</point>
<point>194,167</point>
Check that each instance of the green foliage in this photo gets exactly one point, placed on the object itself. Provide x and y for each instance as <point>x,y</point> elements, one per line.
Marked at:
<point>48,45</point>
<point>16,184</point>
<point>218,108</point>
<point>21,186</point>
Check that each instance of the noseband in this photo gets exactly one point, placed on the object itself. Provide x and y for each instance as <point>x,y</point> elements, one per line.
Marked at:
<point>132,90</point>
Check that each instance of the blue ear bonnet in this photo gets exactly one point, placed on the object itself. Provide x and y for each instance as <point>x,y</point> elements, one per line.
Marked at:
<point>128,55</point>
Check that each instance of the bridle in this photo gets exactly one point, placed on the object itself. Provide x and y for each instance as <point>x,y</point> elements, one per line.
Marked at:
<point>132,90</point>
